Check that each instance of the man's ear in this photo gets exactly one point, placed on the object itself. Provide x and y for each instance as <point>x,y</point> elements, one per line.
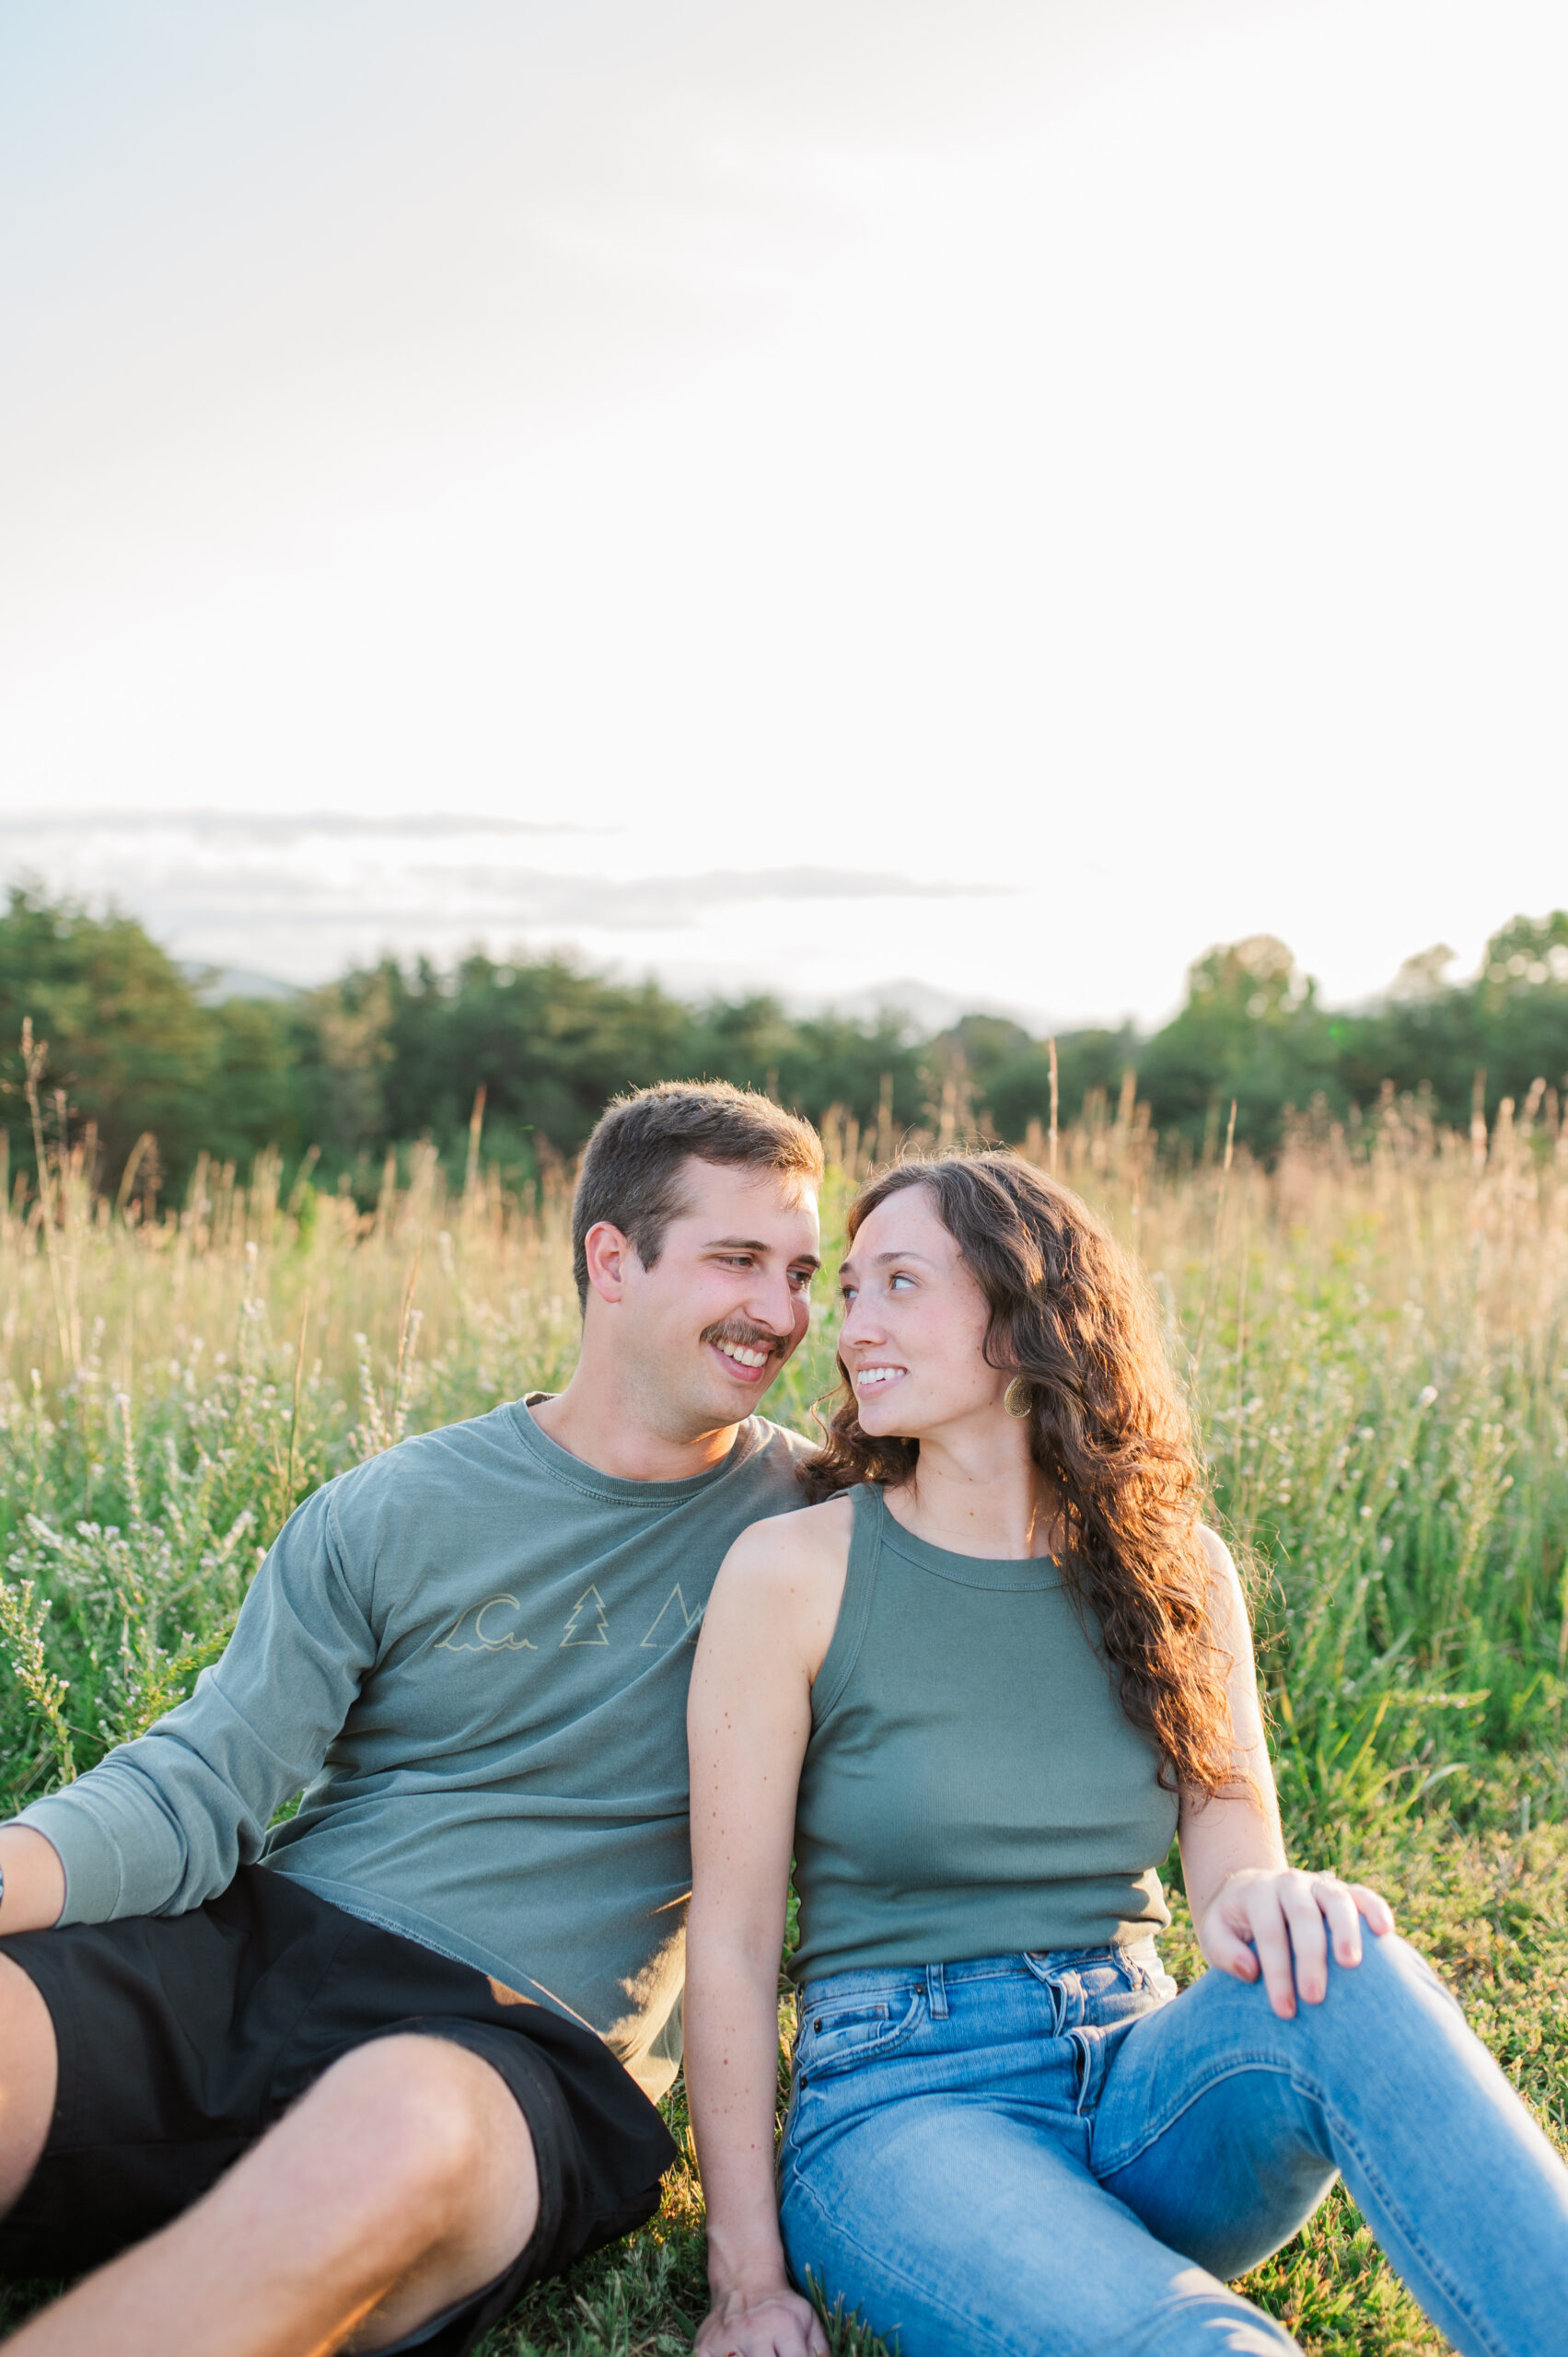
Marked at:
<point>608,1251</point>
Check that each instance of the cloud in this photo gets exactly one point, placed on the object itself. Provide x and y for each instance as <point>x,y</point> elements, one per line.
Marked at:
<point>402,899</point>
<point>247,870</point>
<point>282,825</point>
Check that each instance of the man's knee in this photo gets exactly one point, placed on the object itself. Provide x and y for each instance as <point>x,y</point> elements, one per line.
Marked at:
<point>423,2119</point>
<point>29,2067</point>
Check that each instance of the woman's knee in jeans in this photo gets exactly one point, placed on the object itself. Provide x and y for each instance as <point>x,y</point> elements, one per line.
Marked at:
<point>1393,1987</point>
<point>1392,1981</point>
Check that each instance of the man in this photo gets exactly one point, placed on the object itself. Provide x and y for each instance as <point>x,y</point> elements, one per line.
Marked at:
<point>358,2094</point>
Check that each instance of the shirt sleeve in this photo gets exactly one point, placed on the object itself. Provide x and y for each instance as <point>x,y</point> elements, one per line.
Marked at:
<point>162,1824</point>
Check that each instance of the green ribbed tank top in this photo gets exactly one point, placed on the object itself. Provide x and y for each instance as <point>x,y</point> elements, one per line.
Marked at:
<point>972,1785</point>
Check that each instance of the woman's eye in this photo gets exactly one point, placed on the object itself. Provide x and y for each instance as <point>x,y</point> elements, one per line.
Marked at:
<point>894,1283</point>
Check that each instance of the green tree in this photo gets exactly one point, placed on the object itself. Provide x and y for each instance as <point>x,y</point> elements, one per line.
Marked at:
<point>130,1047</point>
<point>253,1097</point>
<point>1508,1023</point>
<point>1522,1004</point>
<point>399,1053</point>
<point>1251,1029</point>
<point>1015,1088</point>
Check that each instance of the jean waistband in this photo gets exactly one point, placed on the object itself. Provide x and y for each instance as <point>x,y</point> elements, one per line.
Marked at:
<point>1141,1956</point>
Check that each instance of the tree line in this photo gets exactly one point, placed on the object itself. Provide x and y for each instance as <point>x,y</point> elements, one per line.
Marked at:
<point>138,1057</point>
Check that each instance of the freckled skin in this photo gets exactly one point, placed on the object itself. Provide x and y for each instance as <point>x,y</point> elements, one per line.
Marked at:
<point>912,1308</point>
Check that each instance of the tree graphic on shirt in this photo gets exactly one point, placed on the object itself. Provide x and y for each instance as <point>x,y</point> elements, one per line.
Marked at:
<point>577,1631</point>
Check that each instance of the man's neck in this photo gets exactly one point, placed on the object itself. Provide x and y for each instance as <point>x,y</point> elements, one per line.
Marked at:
<point>592,1420</point>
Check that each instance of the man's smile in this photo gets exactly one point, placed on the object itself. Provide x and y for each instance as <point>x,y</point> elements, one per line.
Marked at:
<point>745,1361</point>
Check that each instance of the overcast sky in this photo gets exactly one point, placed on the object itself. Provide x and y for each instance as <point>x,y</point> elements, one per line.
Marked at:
<point>1002,496</point>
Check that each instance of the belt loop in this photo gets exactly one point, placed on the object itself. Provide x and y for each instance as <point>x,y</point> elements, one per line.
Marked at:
<point>936,1992</point>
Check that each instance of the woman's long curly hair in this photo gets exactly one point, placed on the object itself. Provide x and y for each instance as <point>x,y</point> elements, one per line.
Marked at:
<point>1107,1429</point>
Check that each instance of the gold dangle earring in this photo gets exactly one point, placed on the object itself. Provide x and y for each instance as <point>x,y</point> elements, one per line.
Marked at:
<point>1019,1397</point>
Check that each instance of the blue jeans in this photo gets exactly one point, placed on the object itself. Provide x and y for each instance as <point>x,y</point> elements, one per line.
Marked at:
<point>1054,2156</point>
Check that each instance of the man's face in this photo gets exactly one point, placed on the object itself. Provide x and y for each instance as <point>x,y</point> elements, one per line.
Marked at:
<point>705,1332</point>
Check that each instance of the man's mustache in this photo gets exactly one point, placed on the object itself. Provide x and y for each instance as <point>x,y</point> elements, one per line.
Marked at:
<point>750,1337</point>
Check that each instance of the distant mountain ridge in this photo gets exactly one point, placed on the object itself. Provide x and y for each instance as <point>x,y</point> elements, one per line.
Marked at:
<point>213,984</point>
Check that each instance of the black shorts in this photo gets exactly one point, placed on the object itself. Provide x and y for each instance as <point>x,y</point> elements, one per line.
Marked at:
<point>183,2037</point>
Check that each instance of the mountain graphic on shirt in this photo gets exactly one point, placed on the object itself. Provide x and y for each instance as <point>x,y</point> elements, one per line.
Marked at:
<point>674,1623</point>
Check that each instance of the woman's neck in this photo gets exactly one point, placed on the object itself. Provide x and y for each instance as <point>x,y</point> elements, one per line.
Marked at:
<point>980,1495</point>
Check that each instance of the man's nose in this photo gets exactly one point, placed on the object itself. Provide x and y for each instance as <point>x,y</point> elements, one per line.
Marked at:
<point>770,1303</point>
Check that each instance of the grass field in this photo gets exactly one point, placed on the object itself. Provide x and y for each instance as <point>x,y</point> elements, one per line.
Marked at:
<point>1376,1336</point>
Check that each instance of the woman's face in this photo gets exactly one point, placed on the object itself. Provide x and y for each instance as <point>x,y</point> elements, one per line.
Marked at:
<point>913,1337</point>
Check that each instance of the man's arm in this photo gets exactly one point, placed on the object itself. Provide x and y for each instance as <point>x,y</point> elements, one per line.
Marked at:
<point>162,1823</point>
<point>35,1880</point>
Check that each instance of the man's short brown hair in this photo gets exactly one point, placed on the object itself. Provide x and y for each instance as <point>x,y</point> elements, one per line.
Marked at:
<point>632,1165</point>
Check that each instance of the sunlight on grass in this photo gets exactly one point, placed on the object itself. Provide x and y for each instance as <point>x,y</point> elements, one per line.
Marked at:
<point>1374,1334</point>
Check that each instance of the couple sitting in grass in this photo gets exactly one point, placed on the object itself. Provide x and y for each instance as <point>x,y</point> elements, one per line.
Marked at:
<point>353,2082</point>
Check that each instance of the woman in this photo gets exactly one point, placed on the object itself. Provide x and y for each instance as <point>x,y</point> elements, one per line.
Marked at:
<point>973,1693</point>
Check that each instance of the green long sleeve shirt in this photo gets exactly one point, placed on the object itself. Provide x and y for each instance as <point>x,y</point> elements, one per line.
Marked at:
<point>471,1655</point>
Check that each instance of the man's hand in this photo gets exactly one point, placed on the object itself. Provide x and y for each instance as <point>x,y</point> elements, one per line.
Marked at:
<point>1279,1923</point>
<point>776,2323</point>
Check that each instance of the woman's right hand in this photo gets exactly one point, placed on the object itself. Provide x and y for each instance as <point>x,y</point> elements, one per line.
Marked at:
<point>772,2323</point>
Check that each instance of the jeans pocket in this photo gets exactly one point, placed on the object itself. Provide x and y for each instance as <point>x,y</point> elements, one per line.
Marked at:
<point>838,2037</point>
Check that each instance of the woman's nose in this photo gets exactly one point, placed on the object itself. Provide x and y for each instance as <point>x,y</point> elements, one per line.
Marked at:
<point>860,1325</point>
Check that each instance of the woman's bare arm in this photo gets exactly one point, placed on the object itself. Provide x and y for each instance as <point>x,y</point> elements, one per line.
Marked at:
<point>764,1633</point>
<point>1251,1910</point>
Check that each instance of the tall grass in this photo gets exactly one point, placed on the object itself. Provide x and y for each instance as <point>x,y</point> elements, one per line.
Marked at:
<point>1375,1331</point>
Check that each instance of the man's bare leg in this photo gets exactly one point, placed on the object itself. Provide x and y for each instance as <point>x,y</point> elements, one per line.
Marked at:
<point>403,2181</point>
<point>29,2068</point>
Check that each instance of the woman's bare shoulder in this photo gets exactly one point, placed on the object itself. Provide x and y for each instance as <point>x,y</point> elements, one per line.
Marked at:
<point>811,1539</point>
<point>781,1585</point>
<point>1218,1553</point>
<point>1229,1596</point>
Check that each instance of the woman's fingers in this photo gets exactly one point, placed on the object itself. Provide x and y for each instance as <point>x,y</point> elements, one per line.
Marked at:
<point>1271,1937</point>
<point>1281,1924</point>
<point>1337,1902</point>
<point>1374,1906</point>
<point>1308,1935</point>
<point>1229,1949</point>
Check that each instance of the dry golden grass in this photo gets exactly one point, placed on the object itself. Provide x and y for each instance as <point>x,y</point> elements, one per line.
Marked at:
<point>1376,1336</point>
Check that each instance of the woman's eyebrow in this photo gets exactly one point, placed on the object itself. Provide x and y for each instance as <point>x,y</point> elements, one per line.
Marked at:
<point>880,1260</point>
